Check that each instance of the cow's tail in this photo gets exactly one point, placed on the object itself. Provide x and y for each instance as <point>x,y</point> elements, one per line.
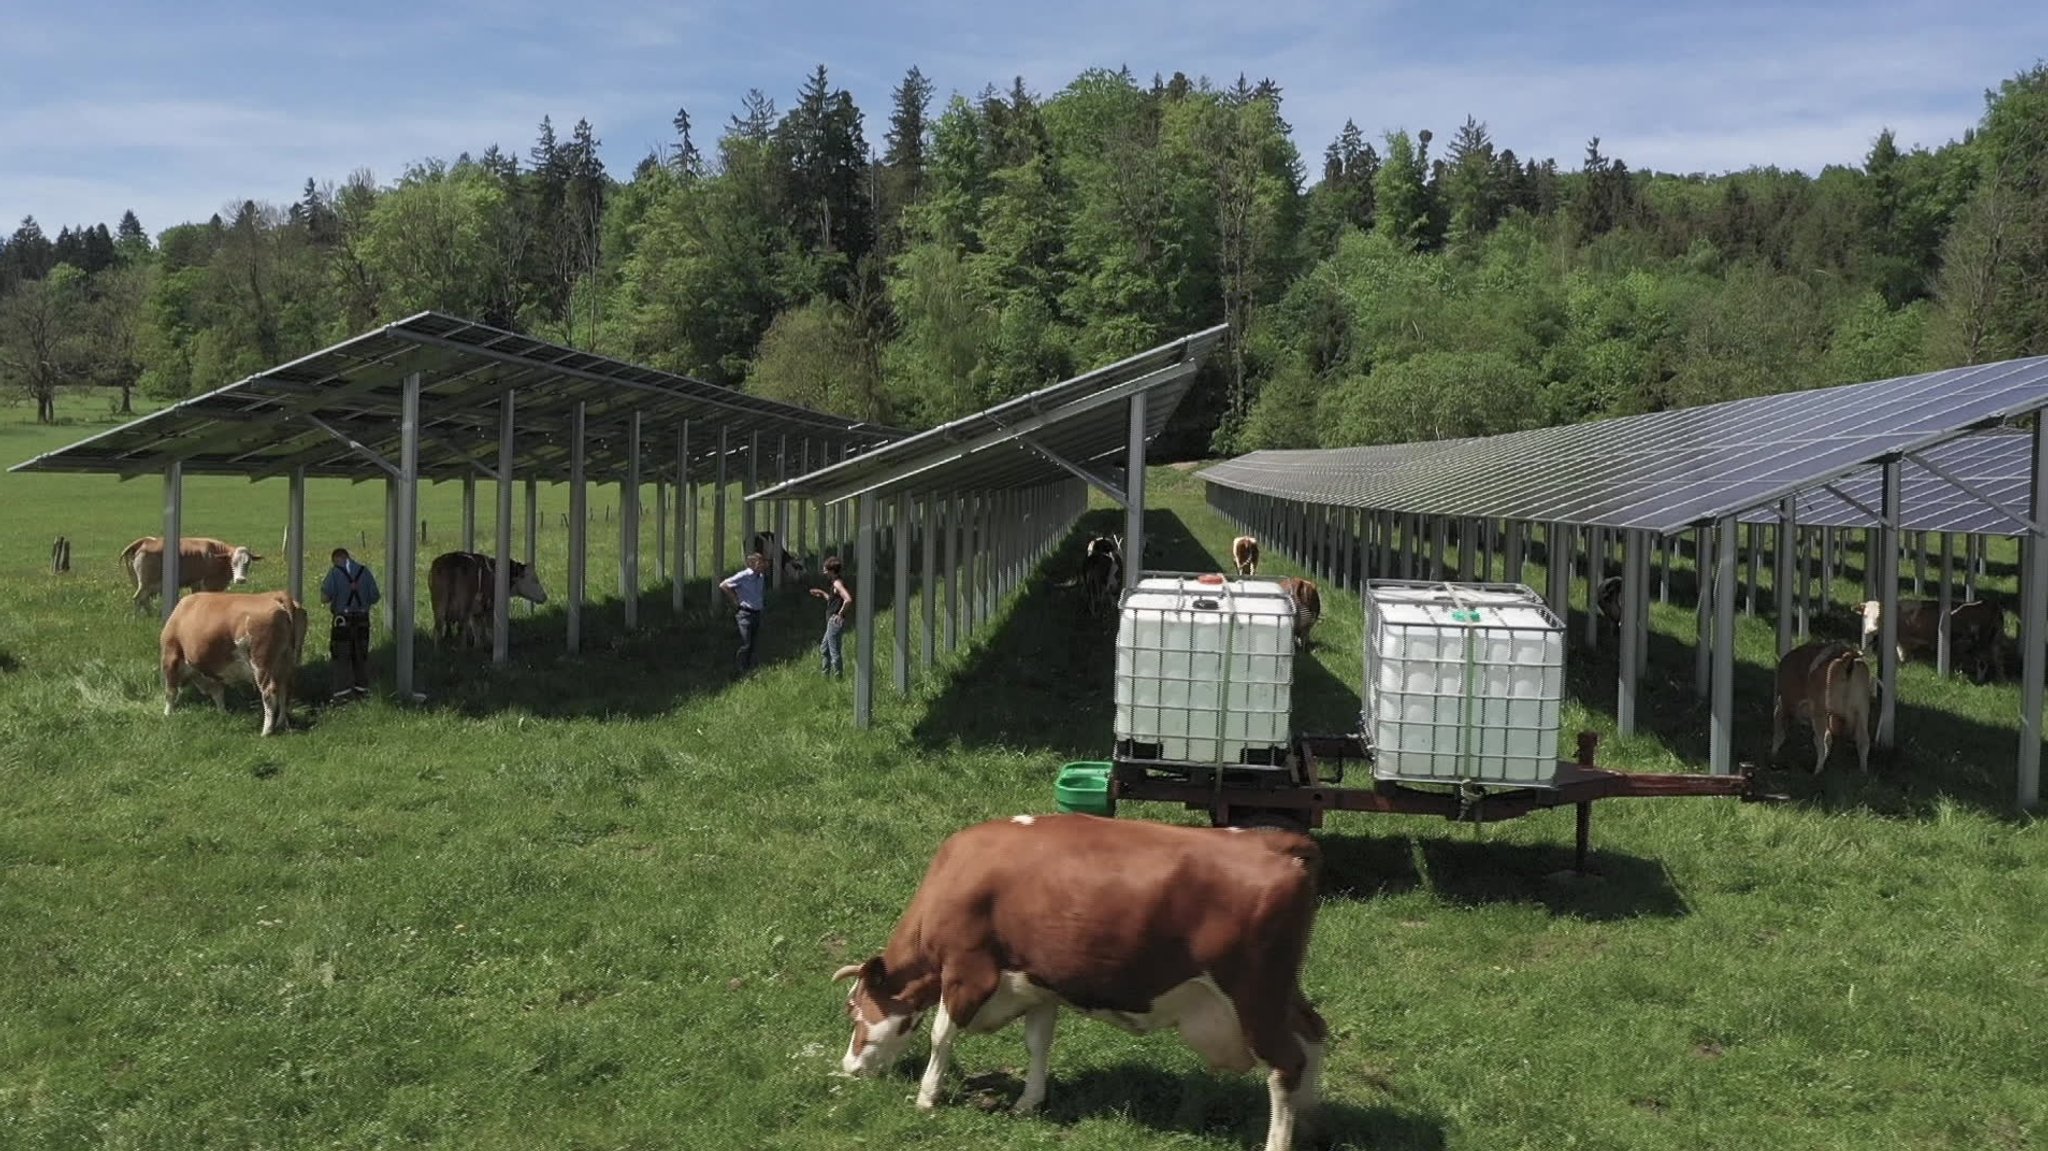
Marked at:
<point>128,553</point>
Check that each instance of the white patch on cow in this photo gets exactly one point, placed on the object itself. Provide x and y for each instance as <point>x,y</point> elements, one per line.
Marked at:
<point>1023,820</point>
<point>1205,1017</point>
<point>1873,619</point>
<point>1238,830</point>
<point>885,1042</point>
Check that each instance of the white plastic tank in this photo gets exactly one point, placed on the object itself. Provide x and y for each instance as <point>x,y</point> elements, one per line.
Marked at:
<point>1462,682</point>
<point>1205,671</point>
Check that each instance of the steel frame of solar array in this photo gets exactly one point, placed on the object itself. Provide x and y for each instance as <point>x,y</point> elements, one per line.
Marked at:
<point>434,397</point>
<point>1000,488</point>
<point>1841,455</point>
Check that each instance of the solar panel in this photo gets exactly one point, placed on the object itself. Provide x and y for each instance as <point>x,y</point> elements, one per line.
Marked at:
<point>1663,471</point>
<point>1083,420</point>
<point>290,416</point>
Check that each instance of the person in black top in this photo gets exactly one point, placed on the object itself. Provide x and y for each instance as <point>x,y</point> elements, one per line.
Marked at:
<point>838,602</point>
<point>351,591</point>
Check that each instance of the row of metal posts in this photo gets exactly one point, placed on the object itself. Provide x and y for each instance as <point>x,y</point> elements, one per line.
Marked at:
<point>1342,546</point>
<point>974,549</point>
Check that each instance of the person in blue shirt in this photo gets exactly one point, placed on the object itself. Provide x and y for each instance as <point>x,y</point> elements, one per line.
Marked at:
<point>351,591</point>
<point>746,588</point>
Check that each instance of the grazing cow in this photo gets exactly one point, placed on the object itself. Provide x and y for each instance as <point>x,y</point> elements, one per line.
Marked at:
<point>1102,572</point>
<point>1308,606</point>
<point>212,636</point>
<point>1827,685</point>
<point>1143,925</point>
<point>1610,599</point>
<point>461,586</point>
<point>203,565</point>
<point>1975,628</point>
<point>1244,552</point>
<point>766,544</point>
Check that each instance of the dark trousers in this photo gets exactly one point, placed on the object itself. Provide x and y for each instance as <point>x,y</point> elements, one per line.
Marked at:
<point>348,645</point>
<point>750,632</point>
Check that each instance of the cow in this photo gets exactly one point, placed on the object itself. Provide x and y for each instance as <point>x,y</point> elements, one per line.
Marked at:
<point>1609,599</point>
<point>1102,572</point>
<point>1827,685</point>
<point>212,636</point>
<point>1244,552</point>
<point>1308,607</point>
<point>1975,628</point>
<point>203,565</point>
<point>765,544</point>
<point>1143,925</point>
<point>461,587</point>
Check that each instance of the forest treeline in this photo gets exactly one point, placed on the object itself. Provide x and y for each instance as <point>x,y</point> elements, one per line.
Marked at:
<point>1407,286</point>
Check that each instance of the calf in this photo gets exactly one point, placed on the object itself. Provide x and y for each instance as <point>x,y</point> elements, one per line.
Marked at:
<point>1827,685</point>
<point>1102,572</point>
<point>462,588</point>
<point>203,564</point>
<point>1244,552</point>
<point>214,636</point>
<point>1609,598</point>
<point>1308,606</point>
<point>1142,925</point>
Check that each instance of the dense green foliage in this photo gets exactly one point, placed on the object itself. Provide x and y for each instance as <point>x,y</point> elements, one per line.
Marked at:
<point>992,244</point>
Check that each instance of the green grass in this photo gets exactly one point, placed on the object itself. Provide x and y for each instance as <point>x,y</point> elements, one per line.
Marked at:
<point>593,903</point>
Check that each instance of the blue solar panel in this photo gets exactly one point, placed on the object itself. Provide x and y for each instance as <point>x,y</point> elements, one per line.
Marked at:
<point>1663,471</point>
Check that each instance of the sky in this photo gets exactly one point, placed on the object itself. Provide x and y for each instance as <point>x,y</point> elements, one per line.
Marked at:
<point>178,110</point>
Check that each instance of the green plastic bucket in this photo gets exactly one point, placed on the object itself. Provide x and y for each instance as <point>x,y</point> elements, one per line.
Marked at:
<point>1082,787</point>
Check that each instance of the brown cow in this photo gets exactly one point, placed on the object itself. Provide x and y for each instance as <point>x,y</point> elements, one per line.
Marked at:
<point>1244,552</point>
<point>1308,606</point>
<point>1827,685</point>
<point>1143,925</point>
<point>1975,628</point>
<point>461,587</point>
<point>212,636</point>
<point>203,564</point>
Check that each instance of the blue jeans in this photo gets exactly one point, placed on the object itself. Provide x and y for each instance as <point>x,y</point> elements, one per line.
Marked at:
<point>750,630</point>
<point>835,629</point>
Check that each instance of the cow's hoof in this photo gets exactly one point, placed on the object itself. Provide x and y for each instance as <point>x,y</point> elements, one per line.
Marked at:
<point>927,1105</point>
<point>1027,1106</point>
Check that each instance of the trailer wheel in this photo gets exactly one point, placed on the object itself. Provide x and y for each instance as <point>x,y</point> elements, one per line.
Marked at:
<point>1284,818</point>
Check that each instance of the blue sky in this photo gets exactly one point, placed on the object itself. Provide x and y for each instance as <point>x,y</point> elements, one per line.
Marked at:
<point>177,109</point>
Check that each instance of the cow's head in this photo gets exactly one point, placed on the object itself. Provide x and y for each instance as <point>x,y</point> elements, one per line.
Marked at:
<point>238,564</point>
<point>883,1021</point>
<point>526,583</point>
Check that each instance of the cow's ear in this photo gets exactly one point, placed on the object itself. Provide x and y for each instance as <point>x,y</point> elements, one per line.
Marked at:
<point>253,557</point>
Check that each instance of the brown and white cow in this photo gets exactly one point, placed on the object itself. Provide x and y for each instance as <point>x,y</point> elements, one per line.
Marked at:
<point>1975,631</point>
<point>1608,598</point>
<point>203,564</point>
<point>461,586</point>
<point>1827,685</point>
<point>1244,552</point>
<point>1143,925</point>
<point>214,636</point>
<point>1308,606</point>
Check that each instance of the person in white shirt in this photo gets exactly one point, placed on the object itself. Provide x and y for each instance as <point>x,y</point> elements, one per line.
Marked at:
<point>746,589</point>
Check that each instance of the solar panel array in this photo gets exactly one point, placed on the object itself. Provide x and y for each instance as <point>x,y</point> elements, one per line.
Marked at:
<point>1997,464</point>
<point>270,423</point>
<point>1083,420</point>
<point>1663,471</point>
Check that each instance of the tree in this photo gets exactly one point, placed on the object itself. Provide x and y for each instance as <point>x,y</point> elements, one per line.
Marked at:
<point>130,240</point>
<point>903,162</point>
<point>684,157</point>
<point>1400,196</point>
<point>41,350</point>
<point>814,355</point>
<point>1470,183</point>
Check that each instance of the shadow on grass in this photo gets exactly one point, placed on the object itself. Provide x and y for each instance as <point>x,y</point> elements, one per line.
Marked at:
<point>1467,872</point>
<point>1045,676</point>
<point>1231,1106</point>
<point>668,660</point>
<point>8,662</point>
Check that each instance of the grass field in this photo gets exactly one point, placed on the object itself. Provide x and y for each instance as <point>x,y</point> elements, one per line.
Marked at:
<point>594,902</point>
